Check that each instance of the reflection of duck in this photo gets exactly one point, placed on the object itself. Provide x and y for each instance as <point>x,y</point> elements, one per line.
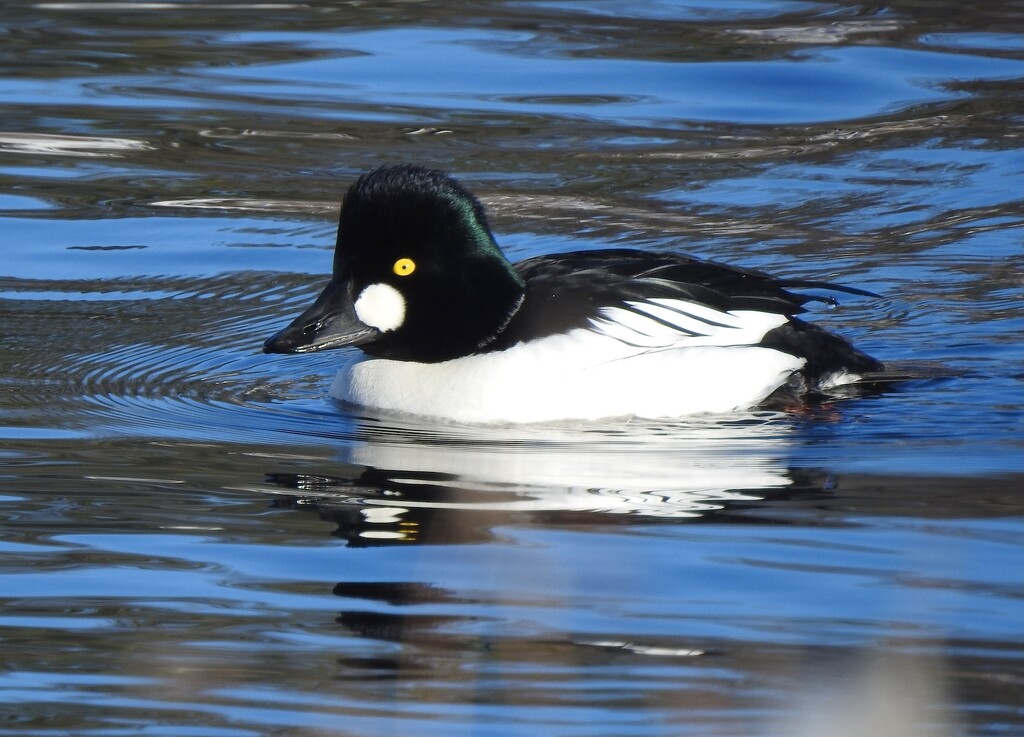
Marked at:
<point>456,331</point>
<point>412,481</point>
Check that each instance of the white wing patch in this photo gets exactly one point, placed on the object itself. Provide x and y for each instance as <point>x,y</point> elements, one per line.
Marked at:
<point>675,323</point>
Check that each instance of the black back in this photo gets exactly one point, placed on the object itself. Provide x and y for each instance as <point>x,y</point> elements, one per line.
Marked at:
<point>567,290</point>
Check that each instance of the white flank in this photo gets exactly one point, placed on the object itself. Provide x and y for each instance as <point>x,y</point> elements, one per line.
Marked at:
<point>629,364</point>
<point>381,306</point>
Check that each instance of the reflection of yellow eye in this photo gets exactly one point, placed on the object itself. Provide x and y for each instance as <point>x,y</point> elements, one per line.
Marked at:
<point>404,266</point>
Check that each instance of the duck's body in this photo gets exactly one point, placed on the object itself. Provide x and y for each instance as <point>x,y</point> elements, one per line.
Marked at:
<point>455,331</point>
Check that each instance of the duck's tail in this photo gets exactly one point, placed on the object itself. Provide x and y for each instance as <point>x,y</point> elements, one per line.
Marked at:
<point>897,371</point>
<point>827,355</point>
<point>835,368</point>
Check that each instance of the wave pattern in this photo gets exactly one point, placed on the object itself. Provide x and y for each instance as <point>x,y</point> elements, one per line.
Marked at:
<point>150,355</point>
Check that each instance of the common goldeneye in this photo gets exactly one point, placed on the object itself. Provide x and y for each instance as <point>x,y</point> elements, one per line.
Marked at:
<point>453,330</point>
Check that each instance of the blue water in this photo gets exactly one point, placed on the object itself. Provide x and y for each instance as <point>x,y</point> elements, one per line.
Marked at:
<point>197,541</point>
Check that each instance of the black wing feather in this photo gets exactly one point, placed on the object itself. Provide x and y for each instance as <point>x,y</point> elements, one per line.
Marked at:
<point>568,290</point>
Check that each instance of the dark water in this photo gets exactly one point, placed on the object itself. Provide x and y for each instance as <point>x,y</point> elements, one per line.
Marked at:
<point>197,542</point>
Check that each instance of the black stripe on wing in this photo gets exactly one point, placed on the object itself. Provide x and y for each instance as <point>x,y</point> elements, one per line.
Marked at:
<point>569,290</point>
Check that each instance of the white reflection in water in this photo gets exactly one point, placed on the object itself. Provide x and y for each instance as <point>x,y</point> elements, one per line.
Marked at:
<point>654,470</point>
<point>64,145</point>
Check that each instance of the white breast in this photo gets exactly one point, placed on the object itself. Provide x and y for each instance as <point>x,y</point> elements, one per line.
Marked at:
<point>628,364</point>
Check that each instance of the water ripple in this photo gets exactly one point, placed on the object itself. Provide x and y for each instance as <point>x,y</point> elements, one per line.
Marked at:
<point>113,368</point>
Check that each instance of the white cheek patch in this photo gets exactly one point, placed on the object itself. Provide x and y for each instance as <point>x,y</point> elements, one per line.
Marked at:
<point>381,306</point>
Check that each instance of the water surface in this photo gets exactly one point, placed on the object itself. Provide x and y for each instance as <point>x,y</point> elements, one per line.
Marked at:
<point>196,540</point>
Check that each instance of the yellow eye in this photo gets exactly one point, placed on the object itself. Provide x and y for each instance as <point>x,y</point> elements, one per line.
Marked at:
<point>404,266</point>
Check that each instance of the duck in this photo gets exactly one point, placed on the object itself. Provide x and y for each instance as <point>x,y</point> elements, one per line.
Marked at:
<point>450,329</point>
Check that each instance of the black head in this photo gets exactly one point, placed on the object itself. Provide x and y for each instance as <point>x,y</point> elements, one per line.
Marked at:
<point>417,274</point>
